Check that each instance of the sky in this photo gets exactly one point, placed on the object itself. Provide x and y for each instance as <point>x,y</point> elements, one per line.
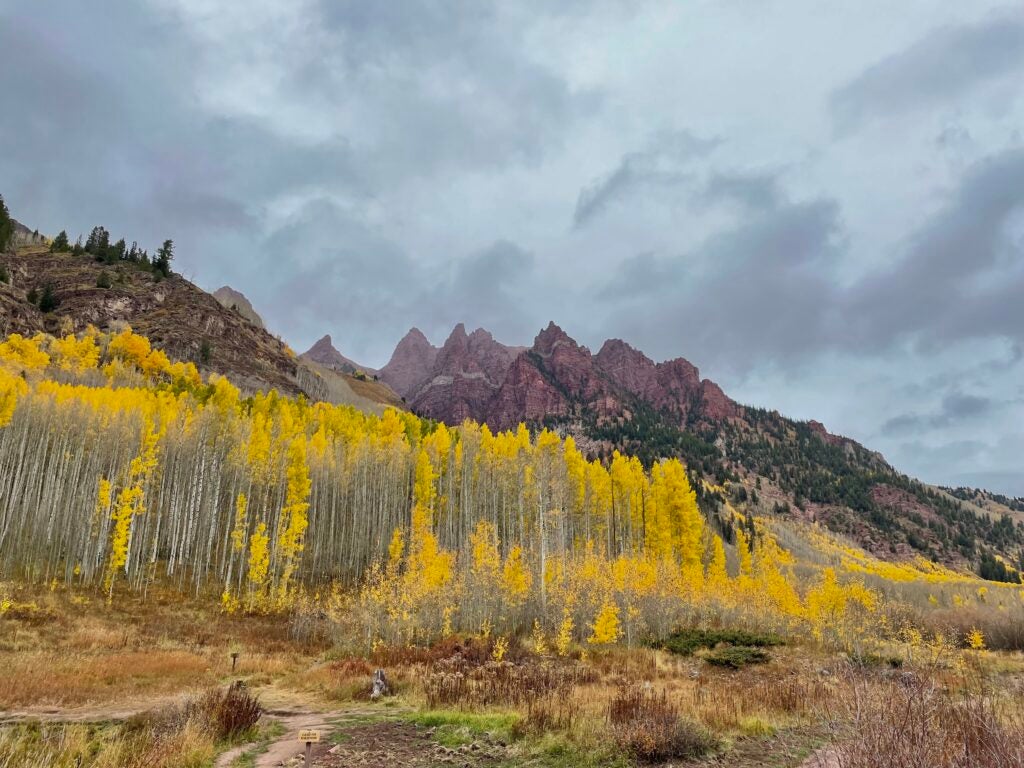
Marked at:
<point>819,204</point>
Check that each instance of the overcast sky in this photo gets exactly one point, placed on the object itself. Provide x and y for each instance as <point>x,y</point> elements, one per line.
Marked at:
<point>819,204</point>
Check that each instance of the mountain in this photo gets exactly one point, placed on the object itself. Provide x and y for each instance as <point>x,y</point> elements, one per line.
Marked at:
<point>474,376</point>
<point>741,457</point>
<point>237,301</point>
<point>323,352</point>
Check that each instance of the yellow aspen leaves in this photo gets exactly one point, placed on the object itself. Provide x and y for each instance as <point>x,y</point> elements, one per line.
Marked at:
<point>294,514</point>
<point>976,639</point>
<point>515,576</point>
<point>259,558</point>
<point>563,641</point>
<point>606,627</point>
<point>435,530</point>
<point>238,533</point>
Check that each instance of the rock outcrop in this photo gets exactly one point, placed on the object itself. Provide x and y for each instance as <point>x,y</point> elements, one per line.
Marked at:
<point>237,301</point>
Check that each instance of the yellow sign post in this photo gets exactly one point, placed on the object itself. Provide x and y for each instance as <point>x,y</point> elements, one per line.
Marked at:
<point>311,737</point>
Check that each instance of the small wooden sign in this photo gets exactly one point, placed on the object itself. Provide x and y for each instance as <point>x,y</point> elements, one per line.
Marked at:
<point>309,736</point>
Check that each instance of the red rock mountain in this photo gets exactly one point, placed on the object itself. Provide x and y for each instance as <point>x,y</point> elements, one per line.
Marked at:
<point>410,364</point>
<point>474,376</point>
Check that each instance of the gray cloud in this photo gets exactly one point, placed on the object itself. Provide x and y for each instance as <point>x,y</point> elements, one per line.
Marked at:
<point>661,165</point>
<point>963,273</point>
<point>762,285</point>
<point>753,191</point>
<point>938,68</point>
<point>956,407</point>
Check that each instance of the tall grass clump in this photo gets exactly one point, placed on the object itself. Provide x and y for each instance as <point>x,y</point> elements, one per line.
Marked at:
<point>649,727</point>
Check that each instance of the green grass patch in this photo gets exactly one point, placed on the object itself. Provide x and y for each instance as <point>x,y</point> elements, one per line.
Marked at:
<point>454,728</point>
<point>557,750</point>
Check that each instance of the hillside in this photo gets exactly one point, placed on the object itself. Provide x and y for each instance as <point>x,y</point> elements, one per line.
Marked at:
<point>178,317</point>
<point>619,399</point>
<point>219,335</point>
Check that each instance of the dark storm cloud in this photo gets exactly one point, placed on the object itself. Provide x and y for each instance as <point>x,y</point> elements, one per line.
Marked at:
<point>658,167</point>
<point>771,293</point>
<point>762,285</point>
<point>755,191</point>
<point>938,68</point>
<point>445,84</point>
<point>963,274</point>
<point>956,407</point>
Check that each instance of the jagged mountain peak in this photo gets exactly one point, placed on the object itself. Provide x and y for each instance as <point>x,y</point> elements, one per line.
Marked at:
<point>324,353</point>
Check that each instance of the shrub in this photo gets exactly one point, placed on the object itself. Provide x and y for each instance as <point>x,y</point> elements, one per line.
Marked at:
<point>229,712</point>
<point>648,726</point>
<point>205,351</point>
<point>103,281</point>
<point>4,276</point>
<point>688,640</point>
<point>737,657</point>
<point>32,297</point>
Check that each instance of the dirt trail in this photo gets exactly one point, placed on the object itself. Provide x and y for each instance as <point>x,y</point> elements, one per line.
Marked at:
<point>288,746</point>
<point>104,713</point>
<point>368,738</point>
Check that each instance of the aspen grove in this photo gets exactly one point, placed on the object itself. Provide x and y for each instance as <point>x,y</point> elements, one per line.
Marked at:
<point>120,468</point>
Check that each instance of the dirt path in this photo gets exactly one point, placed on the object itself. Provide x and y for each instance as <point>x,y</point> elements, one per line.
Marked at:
<point>96,714</point>
<point>366,738</point>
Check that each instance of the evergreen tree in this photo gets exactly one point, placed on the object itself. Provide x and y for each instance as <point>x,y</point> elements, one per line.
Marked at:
<point>48,301</point>
<point>164,256</point>
<point>6,226</point>
<point>98,242</point>
<point>60,243</point>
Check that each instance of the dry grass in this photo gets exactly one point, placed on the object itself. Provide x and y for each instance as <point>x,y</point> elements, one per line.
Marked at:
<point>910,721</point>
<point>73,650</point>
<point>181,736</point>
<point>62,679</point>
